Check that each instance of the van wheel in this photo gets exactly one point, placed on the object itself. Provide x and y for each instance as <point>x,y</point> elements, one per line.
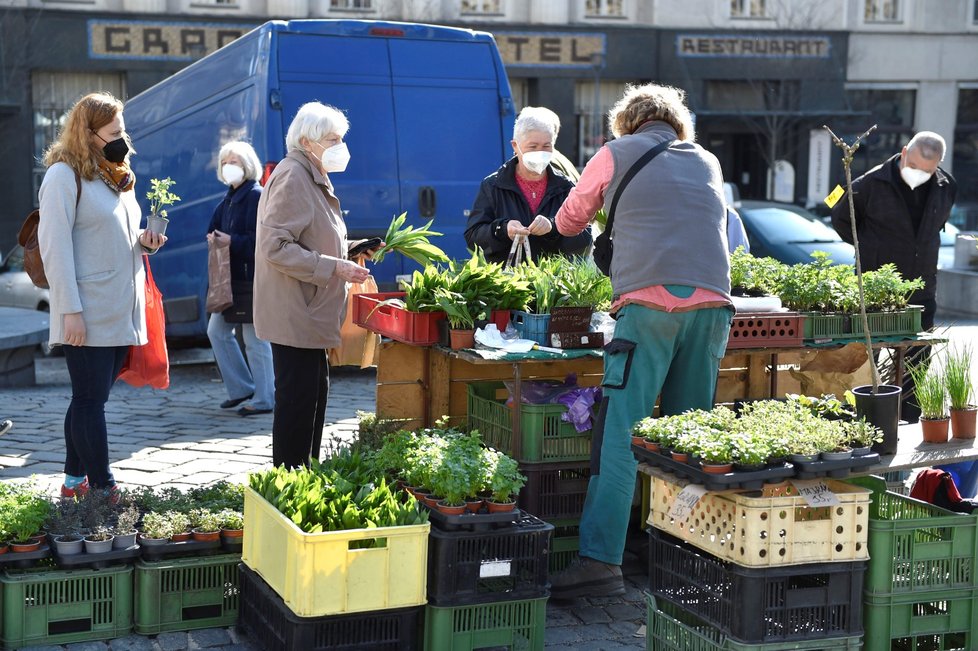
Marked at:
<point>46,349</point>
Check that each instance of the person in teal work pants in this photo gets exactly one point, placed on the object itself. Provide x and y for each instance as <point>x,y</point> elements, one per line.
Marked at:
<point>671,277</point>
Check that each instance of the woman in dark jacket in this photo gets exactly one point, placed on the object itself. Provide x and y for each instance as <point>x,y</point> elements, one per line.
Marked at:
<point>233,225</point>
<point>522,197</point>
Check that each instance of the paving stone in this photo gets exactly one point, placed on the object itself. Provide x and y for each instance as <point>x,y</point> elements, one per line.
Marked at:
<point>208,638</point>
<point>591,615</point>
<point>557,616</point>
<point>173,641</point>
<point>132,643</point>
<point>563,634</point>
<point>87,646</point>
<point>620,612</point>
<point>41,648</point>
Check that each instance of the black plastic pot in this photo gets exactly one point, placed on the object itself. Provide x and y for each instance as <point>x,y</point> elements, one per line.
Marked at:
<point>883,411</point>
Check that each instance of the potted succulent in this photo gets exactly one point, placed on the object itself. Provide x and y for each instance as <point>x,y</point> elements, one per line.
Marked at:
<point>157,529</point>
<point>159,197</point>
<point>957,380</point>
<point>125,527</point>
<point>205,525</point>
<point>932,399</point>
<point>99,540</point>
<point>232,523</point>
<point>505,484</point>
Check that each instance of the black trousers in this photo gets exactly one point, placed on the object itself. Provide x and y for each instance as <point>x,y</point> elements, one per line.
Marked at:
<point>301,390</point>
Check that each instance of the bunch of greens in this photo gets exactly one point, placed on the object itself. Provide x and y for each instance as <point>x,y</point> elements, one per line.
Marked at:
<point>410,242</point>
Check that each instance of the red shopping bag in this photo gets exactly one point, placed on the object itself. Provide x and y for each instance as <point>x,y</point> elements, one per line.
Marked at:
<point>149,364</point>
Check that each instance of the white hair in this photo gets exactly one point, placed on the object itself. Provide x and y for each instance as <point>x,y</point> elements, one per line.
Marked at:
<point>315,121</point>
<point>930,145</point>
<point>536,118</point>
<point>246,154</point>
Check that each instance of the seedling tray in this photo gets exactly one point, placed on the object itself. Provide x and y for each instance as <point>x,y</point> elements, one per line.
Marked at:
<point>24,560</point>
<point>766,330</point>
<point>835,469</point>
<point>751,479</point>
<point>97,561</point>
<point>481,521</point>
<point>180,549</point>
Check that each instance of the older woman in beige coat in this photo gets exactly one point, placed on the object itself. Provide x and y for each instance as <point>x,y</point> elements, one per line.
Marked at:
<point>301,276</point>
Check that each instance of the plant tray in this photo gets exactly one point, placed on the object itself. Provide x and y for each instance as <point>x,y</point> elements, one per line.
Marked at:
<point>24,560</point>
<point>473,567</point>
<point>510,624</point>
<point>481,521</point>
<point>318,574</point>
<point>532,326</point>
<point>267,620</point>
<point>185,594</point>
<point>835,469</point>
<point>766,330</point>
<point>545,436</point>
<point>770,604</point>
<point>570,319</point>
<point>180,549</point>
<point>821,327</point>
<point>752,479</point>
<point>417,328</point>
<point>943,619</point>
<point>554,490</point>
<point>670,628</point>
<point>571,340</point>
<point>771,526</point>
<point>49,607</point>
<point>915,546</point>
<point>69,561</point>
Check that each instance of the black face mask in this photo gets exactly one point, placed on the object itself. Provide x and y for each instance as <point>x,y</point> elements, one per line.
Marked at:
<point>115,151</point>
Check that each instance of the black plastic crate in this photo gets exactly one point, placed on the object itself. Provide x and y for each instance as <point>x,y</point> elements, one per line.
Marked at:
<point>474,567</point>
<point>765,605</point>
<point>269,622</point>
<point>554,490</point>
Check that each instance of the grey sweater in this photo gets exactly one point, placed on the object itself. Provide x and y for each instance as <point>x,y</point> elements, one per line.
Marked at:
<point>670,223</point>
<point>92,259</point>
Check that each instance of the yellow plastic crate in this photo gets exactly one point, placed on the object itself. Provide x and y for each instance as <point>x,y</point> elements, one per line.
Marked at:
<point>318,574</point>
<point>767,527</point>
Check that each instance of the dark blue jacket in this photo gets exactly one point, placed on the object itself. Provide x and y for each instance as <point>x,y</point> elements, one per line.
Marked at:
<point>237,215</point>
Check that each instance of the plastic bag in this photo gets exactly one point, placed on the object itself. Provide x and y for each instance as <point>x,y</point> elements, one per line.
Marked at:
<point>541,392</point>
<point>580,404</point>
<point>149,364</point>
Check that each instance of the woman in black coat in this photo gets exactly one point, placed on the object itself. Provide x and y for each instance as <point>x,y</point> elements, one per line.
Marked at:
<point>233,225</point>
<point>523,196</point>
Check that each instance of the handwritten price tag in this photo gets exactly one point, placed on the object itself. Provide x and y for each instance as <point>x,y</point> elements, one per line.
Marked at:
<point>683,505</point>
<point>815,492</point>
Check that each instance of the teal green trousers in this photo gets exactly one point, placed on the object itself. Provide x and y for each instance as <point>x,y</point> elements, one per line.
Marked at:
<point>675,354</point>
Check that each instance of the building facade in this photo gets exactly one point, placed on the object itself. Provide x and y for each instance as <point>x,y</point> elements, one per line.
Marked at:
<point>762,76</point>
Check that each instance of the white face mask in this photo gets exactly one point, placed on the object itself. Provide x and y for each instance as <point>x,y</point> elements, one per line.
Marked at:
<point>914,177</point>
<point>335,158</point>
<point>537,161</point>
<point>233,174</point>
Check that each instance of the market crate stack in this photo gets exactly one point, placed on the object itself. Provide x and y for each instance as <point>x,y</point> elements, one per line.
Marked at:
<point>922,582</point>
<point>186,593</point>
<point>755,569</point>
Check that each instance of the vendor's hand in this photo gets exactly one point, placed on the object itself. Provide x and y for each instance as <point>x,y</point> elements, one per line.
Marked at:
<point>351,272</point>
<point>74,329</point>
<point>151,240</point>
<point>514,227</point>
<point>540,226</point>
<point>369,253</point>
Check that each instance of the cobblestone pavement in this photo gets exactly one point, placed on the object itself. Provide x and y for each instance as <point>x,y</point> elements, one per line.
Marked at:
<point>180,437</point>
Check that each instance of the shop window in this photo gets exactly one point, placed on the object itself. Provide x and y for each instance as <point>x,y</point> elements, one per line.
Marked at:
<point>752,95</point>
<point>604,8</point>
<point>482,7</point>
<point>964,155</point>
<point>974,12</point>
<point>748,9</point>
<point>887,107</point>
<point>882,11</point>
<point>592,116</point>
<point>351,5</point>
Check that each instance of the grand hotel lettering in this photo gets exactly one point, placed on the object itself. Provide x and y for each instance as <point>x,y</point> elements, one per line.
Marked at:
<point>158,40</point>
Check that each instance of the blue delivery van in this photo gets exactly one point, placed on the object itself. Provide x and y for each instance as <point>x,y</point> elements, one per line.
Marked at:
<point>430,113</point>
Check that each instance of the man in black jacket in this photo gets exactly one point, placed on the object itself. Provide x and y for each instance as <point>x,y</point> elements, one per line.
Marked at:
<point>901,207</point>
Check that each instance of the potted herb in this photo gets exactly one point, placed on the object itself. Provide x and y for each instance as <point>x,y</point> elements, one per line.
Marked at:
<point>125,527</point>
<point>505,484</point>
<point>750,449</point>
<point>25,519</point>
<point>957,380</point>
<point>159,197</point>
<point>932,399</point>
<point>205,525</point>
<point>157,529</point>
<point>64,526</point>
<point>861,436</point>
<point>716,455</point>
<point>99,540</point>
<point>232,523</point>
<point>180,522</point>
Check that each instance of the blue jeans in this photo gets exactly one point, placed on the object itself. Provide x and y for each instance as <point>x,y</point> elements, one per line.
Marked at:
<point>239,379</point>
<point>93,371</point>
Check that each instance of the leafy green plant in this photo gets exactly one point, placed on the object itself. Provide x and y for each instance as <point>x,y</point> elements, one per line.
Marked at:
<point>460,470</point>
<point>64,518</point>
<point>126,520</point>
<point>160,196</point>
<point>957,377</point>
<point>860,433</point>
<point>204,520</point>
<point>231,519</point>
<point>179,521</point>
<point>929,391</point>
<point>826,406</point>
<point>411,242</point>
<point>26,516</point>
<point>157,526</point>
<point>506,480</point>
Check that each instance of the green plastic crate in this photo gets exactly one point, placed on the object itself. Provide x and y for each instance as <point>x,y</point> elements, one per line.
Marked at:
<point>47,607</point>
<point>943,620</point>
<point>545,436</point>
<point>916,546</point>
<point>511,624</point>
<point>843,327</point>
<point>186,593</point>
<point>565,543</point>
<point>670,628</point>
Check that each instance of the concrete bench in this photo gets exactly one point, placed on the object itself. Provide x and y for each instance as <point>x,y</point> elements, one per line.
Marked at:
<point>20,332</point>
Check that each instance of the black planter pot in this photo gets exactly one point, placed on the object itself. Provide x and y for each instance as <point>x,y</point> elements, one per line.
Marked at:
<point>883,411</point>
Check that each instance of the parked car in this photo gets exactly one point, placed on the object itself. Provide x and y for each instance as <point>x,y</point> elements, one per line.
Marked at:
<point>790,234</point>
<point>945,257</point>
<point>17,290</point>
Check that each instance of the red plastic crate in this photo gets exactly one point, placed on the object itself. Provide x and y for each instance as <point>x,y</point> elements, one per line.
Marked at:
<point>418,328</point>
<point>766,330</point>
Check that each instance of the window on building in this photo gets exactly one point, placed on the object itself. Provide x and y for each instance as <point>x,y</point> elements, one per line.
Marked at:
<point>752,95</point>
<point>891,110</point>
<point>492,7</point>
<point>353,5</point>
<point>52,96</point>
<point>964,158</point>
<point>592,111</point>
<point>604,8</point>
<point>748,9</point>
<point>882,11</point>
<point>974,12</point>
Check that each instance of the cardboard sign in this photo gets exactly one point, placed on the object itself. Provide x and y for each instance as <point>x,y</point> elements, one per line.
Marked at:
<point>816,492</point>
<point>683,505</point>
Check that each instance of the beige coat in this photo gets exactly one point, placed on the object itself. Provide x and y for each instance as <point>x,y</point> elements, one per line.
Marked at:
<point>298,299</point>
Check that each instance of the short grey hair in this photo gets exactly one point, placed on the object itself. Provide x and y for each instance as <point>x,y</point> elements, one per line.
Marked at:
<point>536,118</point>
<point>246,153</point>
<point>930,145</point>
<point>315,121</point>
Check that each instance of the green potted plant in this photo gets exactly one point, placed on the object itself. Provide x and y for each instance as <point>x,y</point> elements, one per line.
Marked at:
<point>861,436</point>
<point>26,518</point>
<point>505,484</point>
<point>205,525</point>
<point>99,540</point>
<point>64,527</point>
<point>750,449</point>
<point>159,197</point>
<point>156,529</point>
<point>957,380</point>
<point>715,454</point>
<point>232,524</point>
<point>931,397</point>
<point>180,523</point>
<point>125,527</point>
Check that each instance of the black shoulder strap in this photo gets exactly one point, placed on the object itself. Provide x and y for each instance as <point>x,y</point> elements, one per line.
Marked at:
<point>77,185</point>
<point>632,171</point>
